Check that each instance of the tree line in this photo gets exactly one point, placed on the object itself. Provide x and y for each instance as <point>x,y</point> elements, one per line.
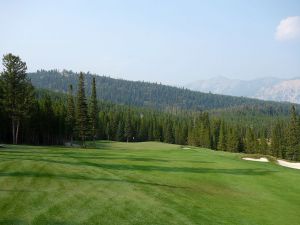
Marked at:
<point>41,117</point>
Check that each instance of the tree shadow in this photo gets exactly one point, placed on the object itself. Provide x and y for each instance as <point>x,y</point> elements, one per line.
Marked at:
<point>74,177</point>
<point>148,168</point>
<point>21,190</point>
<point>12,222</point>
<point>38,221</point>
<point>45,221</point>
<point>142,159</point>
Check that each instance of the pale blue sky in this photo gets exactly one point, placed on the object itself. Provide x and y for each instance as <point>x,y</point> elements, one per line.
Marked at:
<point>169,41</point>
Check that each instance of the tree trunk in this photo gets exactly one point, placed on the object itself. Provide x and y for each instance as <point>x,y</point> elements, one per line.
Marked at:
<point>94,135</point>
<point>13,131</point>
<point>83,141</point>
<point>17,131</point>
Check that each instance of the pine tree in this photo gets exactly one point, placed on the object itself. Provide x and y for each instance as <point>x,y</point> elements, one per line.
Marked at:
<point>192,138</point>
<point>157,132</point>
<point>94,110</point>
<point>143,129</point>
<point>150,132</point>
<point>81,111</point>
<point>233,140</point>
<point>70,117</point>
<point>169,136</point>
<point>276,140</point>
<point>204,134</point>
<point>222,143</point>
<point>120,131</point>
<point>128,132</point>
<point>264,148</point>
<point>250,141</point>
<point>17,91</point>
<point>215,133</point>
<point>108,131</point>
<point>279,140</point>
<point>293,142</point>
<point>48,120</point>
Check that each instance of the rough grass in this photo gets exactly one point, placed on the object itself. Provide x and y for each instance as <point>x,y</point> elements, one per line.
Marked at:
<point>143,183</point>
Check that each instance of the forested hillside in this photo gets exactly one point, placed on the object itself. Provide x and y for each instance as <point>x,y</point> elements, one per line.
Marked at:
<point>48,124</point>
<point>43,117</point>
<point>154,95</point>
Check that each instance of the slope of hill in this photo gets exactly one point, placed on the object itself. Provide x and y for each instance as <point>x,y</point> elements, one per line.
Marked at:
<point>152,95</point>
<point>274,89</point>
<point>143,183</point>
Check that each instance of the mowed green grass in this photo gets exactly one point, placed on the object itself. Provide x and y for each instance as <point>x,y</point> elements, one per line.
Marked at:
<point>143,183</point>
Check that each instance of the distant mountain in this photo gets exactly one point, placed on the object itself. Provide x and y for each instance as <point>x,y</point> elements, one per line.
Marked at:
<point>153,95</point>
<point>286,90</point>
<point>274,89</point>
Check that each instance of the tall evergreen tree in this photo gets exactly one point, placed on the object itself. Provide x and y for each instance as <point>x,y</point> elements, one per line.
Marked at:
<point>94,110</point>
<point>70,117</point>
<point>264,148</point>
<point>192,138</point>
<point>128,132</point>
<point>17,91</point>
<point>233,140</point>
<point>48,120</point>
<point>215,133</point>
<point>251,144</point>
<point>156,131</point>
<point>293,138</point>
<point>143,129</point>
<point>278,140</point>
<point>222,143</point>
<point>120,131</point>
<point>204,131</point>
<point>168,131</point>
<point>81,111</point>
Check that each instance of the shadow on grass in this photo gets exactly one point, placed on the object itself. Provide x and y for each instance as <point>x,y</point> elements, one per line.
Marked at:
<point>24,156</point>
<point>38,221</point>
<point>51,222</point>
<point>21,190</point>
<point>126,167</point>
<point>12,222</point>
<point>73,177</point>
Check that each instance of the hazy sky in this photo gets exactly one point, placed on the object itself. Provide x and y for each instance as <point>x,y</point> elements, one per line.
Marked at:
<point>173,42</point>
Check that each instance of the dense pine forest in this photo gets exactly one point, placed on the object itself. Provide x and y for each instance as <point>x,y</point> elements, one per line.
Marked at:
<point>81,107</point>
<point>157,96</point>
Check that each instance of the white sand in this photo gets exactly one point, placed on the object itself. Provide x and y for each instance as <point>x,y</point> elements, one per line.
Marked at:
<point>186,148</point>
<point>289,164</point>
<point>280,162</point>
<point>263,159</point>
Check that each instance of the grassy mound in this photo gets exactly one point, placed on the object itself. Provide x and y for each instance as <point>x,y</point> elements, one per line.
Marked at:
<point>143,183</point>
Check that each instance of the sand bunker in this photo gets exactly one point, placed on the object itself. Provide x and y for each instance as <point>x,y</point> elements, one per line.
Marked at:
<point>186,148</point>
<point>289,164</point>
<point>262,159</point>
<point>280,162</point>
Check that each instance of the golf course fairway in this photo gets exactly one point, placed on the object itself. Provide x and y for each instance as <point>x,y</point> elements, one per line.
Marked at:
<point>143,183</point>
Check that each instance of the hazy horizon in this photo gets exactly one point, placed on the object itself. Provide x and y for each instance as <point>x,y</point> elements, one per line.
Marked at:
<point>172,42</point>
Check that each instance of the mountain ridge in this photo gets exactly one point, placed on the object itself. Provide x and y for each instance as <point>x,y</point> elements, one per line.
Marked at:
<point>266,88</point>
<point>153,95</point>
